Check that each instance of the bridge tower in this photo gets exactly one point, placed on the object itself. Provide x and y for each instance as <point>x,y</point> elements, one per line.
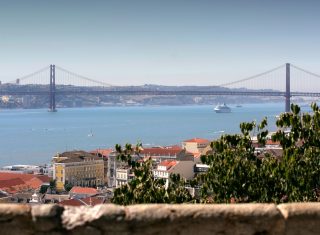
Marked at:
<point>287,95</point>
<point>52,93</point>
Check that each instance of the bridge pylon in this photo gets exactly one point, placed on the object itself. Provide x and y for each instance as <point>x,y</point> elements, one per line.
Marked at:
<point>52,93</point>
<point>288,93</point>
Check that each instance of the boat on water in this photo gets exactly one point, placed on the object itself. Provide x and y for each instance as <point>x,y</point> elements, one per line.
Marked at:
<point>222,108</point>
<point>90,134</point>
<point>238,105</point>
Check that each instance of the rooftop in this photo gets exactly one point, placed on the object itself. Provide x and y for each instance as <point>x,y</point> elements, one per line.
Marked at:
<point>161,151</point>
<point>168,163</point>
<point>103,152</point>
<point>15,182</point>
<point>75,156</point>
<point>197,140</point>
<point>89,201</point>
<point>83,190</point>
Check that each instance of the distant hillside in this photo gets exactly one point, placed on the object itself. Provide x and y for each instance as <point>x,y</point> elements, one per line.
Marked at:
<point>34,101</point>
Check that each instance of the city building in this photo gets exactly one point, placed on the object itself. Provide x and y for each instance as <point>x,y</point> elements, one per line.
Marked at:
<point>115,164</point>
<point>196,145</point>
<point>104,154</point>
<point>200,168</point>
<point>123,176</point>
<point>24,169</point>
<point>158,154</point>
<point>78,168</point>
<point>164,169</point>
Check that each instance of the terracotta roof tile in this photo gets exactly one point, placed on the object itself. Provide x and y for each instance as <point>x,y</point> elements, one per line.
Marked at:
<point>103,152</point>
<point>160,151</point>
<point>270,142</point>
<point>197,140</point>
<point>89,201</point>
<point>83,190</point>
<point>168,163</point>
<point>14,182</point>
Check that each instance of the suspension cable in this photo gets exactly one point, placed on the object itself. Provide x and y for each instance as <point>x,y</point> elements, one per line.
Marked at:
<point>306,71</point>
<point>83,77</point>
<point>251,77</point>
<point>31,74</point>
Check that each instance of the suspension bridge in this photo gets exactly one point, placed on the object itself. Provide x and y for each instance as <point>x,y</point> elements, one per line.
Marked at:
<point>285,81</point>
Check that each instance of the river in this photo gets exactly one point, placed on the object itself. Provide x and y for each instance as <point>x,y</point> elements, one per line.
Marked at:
<point>33,136</point>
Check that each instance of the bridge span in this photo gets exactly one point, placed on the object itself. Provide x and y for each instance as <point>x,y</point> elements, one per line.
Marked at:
<point>264,84</point>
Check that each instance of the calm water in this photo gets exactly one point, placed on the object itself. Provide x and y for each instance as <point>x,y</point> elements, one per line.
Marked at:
<point>34,136</point>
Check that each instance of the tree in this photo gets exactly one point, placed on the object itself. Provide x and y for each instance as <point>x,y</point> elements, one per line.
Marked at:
<point>43,189</point>
<point>68,186</point>
<point>235,171</point>
<point>52,186</point>
<point>300,165</point>
<point>144,188</point>
<point>237,174</point>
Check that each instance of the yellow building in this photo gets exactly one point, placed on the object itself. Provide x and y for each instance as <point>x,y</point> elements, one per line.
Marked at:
<point>78,168</point>
<point>196,145</point>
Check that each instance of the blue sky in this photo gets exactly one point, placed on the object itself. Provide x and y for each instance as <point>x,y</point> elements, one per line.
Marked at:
<point>177,42</point>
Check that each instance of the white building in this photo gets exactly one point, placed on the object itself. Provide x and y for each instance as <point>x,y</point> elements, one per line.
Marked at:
<point>123,176</point>
<point>168,167</point>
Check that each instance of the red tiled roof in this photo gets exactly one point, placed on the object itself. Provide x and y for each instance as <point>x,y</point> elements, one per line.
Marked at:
<point>177,147</point>
<point>24,177</point>
<point>12,185</point>
<point>83,190</point>
<point>14,182</point>
<point>89,201</point>
<point>103,152</point>
<point>10,182</point>
<point>197,140</point>
<point>270,142</point>
<point>161,151</point>
<point>168,163</point>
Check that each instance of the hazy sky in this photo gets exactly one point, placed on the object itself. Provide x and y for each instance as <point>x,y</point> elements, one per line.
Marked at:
<point>202,42</point>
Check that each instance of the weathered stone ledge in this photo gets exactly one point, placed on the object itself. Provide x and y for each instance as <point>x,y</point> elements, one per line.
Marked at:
<point>255,219</point>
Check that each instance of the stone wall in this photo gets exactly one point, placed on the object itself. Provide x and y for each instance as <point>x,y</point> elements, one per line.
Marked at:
<point>254,219</point>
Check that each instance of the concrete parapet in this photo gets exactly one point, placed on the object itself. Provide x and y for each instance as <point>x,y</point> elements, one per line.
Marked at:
<point>254,219</point>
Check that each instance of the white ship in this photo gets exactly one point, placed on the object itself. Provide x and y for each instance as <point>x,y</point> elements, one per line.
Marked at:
<point>222,108</point>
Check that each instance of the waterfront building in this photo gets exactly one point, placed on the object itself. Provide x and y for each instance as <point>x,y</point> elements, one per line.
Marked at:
<point>28,169</point>
<point>78,168</point>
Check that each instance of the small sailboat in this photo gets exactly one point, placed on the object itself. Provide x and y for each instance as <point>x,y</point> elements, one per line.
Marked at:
<point>90,134</point>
